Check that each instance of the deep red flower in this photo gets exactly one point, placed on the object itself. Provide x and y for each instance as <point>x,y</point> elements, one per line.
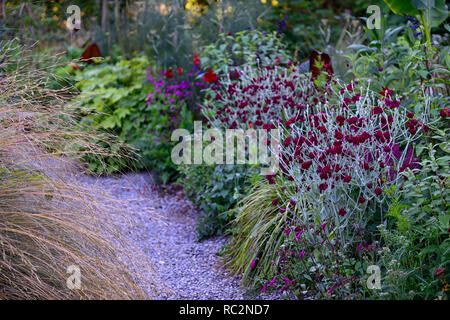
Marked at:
<point>287,141</point>
<point>196,60</point>
<point>361,199</point>
<point>445,113</point>
<point>410,115</point>
<point>347,179</point>
<point>379,136</point>
<point>323,187</point>
<point>169,74</point>
<point>210,76</point>
<point>378,191</point>
<point>439,271</point>
<point>352,120</point>
<point>386,92</point>
<point>342,212</point>
<point>338,135</point>
<point>306,165</point>
<point>377,110</point>
<point>275,202</point>
<point>323,129</point>
<point>340,119</point>
<point>180,71</point>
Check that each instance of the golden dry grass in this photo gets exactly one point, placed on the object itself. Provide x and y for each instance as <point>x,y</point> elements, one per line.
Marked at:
<point>47,223</point>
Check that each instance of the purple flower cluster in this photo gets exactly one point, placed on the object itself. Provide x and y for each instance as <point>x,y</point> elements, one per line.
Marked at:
<point>414,24</point>
<point>174,91</point>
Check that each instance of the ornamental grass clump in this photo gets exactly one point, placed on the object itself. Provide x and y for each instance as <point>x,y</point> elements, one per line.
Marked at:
<point>50,225</point>
<point>259,233</point>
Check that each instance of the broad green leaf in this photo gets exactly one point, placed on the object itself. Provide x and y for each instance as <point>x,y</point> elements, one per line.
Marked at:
<point>402,7</point>
<point>435,10</point>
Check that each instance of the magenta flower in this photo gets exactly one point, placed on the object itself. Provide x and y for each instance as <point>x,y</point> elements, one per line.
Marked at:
<point>273,281</point>
<point>287,281</point>
<point>330,291</point>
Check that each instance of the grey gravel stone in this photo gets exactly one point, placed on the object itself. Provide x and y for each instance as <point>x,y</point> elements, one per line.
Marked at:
<point>161,222</point>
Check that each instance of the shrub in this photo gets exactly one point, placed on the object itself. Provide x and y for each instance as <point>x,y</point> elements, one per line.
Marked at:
<point>342,151</point>
<point>340,147</point>
<point>114,96</point>
<point>302,24</point>
<point>118,97</point>
<point>415,254</point>
<point>230,53</point>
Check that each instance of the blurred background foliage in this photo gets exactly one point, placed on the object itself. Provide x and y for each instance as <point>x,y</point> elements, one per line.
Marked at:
<point>170,31</point>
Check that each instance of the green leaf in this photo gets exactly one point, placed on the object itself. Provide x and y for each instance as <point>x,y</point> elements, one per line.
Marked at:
<point>435,9</point>
<point>360,47</point>
<point>402,7</point>
<point>109,123</point>
<point>390,32</point>
<point>122,112</point>
<point>439,13</point>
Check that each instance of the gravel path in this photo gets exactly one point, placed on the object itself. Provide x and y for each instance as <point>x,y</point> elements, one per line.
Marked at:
<point>162,226</point>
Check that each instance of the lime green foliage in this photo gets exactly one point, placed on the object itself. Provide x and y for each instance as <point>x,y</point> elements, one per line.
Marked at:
<point>215,190</point>
<point>258,234</point>
<point>117,94</point>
